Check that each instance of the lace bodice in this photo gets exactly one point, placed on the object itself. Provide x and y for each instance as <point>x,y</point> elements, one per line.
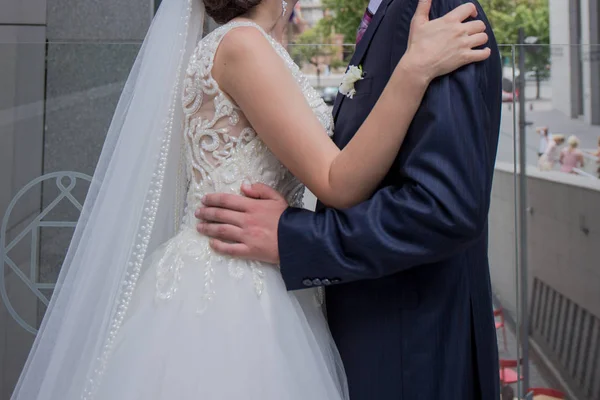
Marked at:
<point>222,149</point>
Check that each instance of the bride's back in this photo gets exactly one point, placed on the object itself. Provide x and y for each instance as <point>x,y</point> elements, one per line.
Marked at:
<point>222,148</point>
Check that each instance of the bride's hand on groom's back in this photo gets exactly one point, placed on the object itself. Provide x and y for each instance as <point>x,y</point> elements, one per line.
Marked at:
<point>440,46</point>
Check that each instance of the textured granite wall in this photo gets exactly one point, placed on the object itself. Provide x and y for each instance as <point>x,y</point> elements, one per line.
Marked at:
<point>92,45</point>
<point>22,51</point>
<point>62,66</point>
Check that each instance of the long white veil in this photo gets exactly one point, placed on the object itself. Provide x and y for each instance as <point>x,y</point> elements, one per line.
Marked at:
<point>132,206</point>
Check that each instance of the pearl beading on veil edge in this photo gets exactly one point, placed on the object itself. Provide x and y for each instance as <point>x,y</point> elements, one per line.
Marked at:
<point>143,238</point>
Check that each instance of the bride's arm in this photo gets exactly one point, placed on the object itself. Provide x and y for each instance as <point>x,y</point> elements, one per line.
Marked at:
<point>261,84</point>
<point>249,70</point>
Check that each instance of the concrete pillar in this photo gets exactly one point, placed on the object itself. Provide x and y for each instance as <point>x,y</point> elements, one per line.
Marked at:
<point>561,56</point>
<point>575,41</point>
<point>590,12</point>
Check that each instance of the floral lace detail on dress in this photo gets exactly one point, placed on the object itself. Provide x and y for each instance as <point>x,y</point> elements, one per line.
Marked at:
<point>194,249</point>
<point>222,150</point>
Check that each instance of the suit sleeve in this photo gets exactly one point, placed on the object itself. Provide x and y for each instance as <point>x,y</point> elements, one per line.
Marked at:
<point>437,208</point>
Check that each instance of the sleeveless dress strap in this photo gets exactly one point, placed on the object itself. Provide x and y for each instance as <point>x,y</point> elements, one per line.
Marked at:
<point>214,39</point>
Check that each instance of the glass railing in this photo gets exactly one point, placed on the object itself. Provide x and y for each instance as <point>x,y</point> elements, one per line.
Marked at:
<point>543,224</point>
<point>56,104</point>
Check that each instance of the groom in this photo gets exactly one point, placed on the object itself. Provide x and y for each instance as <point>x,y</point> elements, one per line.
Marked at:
<point>407,277</point>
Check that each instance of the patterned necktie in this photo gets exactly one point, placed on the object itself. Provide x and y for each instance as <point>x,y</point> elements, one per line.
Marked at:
<point>364,24</point>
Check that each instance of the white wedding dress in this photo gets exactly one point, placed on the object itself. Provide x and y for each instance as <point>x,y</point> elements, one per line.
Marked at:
<point>207,327</point>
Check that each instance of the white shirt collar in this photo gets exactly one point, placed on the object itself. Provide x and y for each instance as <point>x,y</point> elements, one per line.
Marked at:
<point>374,5</point>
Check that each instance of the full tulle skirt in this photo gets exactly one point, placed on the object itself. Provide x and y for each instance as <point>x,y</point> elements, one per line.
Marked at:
<point>203,326</point>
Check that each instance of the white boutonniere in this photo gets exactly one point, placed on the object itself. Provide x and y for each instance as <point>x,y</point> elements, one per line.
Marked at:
<point>353,75</point>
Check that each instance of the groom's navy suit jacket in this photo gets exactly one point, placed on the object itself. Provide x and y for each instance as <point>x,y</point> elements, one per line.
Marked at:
<point>408,285</point>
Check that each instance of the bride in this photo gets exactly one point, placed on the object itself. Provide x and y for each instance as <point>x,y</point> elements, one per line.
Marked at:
<point>144,309</point>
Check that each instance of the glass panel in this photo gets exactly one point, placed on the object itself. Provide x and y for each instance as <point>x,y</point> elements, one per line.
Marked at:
<point>561,276</point>
<point>503,224</point>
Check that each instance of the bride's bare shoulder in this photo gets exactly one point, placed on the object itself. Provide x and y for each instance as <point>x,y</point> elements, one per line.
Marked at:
<point>242,42</point>
<point>241,48</point>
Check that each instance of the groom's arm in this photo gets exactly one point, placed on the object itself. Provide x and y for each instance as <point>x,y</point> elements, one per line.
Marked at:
<point>438,208</point>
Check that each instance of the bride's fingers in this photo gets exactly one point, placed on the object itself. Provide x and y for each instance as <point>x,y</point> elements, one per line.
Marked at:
<point>238,250</point>
<point>477,40</point>
<point>462,12</point>
<point>473,27</point>
<point>422,12</point>
<point>478,55</point>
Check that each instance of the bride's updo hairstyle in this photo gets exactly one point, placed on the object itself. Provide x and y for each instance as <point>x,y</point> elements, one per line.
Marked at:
<point>223,11</point>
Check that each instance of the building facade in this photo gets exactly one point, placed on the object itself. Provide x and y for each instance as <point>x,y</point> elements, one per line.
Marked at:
<point>312,11</point>
<point>576,67</point>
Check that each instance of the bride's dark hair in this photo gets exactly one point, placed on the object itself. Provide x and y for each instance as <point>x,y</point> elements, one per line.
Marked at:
<point>223,11</point>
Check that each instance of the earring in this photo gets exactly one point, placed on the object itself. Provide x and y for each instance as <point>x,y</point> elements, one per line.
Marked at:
<point>284,5</point>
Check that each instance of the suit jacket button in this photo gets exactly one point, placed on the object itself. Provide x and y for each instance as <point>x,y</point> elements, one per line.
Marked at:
<point>307,282</point>
<point>326,282</point>
<point>316,282</point>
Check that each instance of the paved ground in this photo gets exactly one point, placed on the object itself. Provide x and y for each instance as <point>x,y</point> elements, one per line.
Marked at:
<point>541,113</point>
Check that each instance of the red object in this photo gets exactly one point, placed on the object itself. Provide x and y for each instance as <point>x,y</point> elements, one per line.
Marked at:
<point>547,392</point>
<point>499,313</point>
<point>507,97</point>
<point>507,374</point>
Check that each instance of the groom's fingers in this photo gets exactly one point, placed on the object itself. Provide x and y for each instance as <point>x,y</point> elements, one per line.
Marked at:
<point>462,12</point>
<point>220,215</point>
<point>261,191</point>
<point>229,201</point>
<point>422,11</point>
<point>238,250</point>
<point>251,192</point>
<point>228,233</point>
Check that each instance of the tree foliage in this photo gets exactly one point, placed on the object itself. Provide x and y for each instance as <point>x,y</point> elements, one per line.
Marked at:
<point>507,16</point>
<point>343,17</point>
<point>311,45</point>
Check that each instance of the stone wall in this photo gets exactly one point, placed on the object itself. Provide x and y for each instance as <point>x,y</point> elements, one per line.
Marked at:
<point>563,225</point>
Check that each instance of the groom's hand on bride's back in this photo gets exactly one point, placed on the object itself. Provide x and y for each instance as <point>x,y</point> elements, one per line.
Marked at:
<point>244,227</point>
